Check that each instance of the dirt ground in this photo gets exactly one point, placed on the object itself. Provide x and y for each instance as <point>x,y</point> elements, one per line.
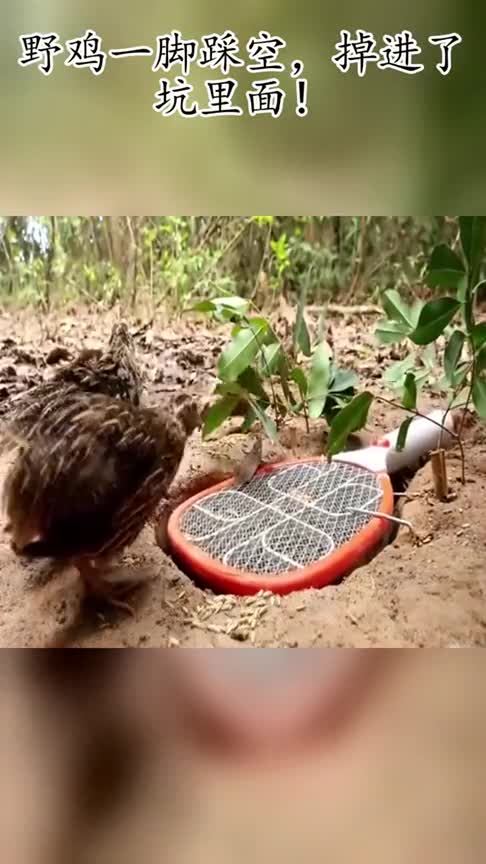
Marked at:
<point>431,594</point>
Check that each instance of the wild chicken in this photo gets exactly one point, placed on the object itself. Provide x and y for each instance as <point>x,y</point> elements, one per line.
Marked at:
<point>113,372</point>
<point>90,464</point>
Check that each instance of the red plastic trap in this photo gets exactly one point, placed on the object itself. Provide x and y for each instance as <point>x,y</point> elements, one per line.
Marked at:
<point>299,524</point>
<point>294,525</point>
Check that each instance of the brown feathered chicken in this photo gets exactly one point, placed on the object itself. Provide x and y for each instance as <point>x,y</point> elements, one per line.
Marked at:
<point>91,465</point>
<point>87,478</point>
<point>113,372</point>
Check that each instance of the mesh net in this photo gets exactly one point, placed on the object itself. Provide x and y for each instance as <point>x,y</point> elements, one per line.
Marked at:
<point>284,520</point>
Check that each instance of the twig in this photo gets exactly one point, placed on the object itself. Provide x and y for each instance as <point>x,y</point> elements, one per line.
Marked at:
<point>414,411</point>
<point>338,309</point>
<point>209,230</point>
<point>282,348</point>
<point>463,418</point>
<point>229,245</point>
<point>265,253</point>
<point>267,367</point>
<point>360,243</point>
<point>465,406</point>
<point>306,415</point>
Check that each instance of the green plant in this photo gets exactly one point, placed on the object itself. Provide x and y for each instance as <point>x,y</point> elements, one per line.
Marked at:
<point>280,249</point>
<point>256,369</point>
<point>452,317</point>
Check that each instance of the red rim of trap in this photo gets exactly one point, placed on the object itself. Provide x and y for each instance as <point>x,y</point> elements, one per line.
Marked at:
<point>230,580</point>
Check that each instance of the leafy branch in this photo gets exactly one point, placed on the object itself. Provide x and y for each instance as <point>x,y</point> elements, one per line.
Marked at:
<point>255,369</point>
<point>464,360</point>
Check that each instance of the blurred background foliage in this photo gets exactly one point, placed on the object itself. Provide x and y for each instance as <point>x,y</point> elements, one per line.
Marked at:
<point>172,261</point>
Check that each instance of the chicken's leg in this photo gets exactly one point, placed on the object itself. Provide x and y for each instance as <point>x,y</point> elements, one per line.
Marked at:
<point>95,584</point>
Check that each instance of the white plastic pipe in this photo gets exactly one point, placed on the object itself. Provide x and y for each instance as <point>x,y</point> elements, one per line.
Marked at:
<point>424,435</point>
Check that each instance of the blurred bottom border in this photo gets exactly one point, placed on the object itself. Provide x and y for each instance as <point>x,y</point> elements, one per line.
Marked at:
<point>115,756</point>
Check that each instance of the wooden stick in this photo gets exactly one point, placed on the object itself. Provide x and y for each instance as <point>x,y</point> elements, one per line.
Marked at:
<point>439,474</point>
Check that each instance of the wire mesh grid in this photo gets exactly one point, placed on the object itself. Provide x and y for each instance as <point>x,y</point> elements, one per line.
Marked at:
<point>284,520</point>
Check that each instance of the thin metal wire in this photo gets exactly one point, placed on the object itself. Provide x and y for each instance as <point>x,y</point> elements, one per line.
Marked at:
<point>384,516</point>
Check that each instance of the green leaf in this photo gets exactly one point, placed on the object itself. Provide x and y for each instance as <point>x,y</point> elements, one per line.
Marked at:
<point>319,379</point>
<point>429,354</point>
<point>229,311</point>
<point>218,413</point>
<point>231,389</point>
<point>348,420</point>
<point>453,355</point>
<point>225,315</point>
<point>336,400</point>
<point>421,376</point>
<point>272,357</point>
<point>415,310</point>
<point>302,336</point>
<point>234,302</point>
<point>462,372</point>
<point>387,332</point>
<point>250,381</point>
<point>334,403</point>
<point>472,231</point>
<point>259,326</point>
<point>301,333</point>
<point>342,379</point>
<point>234,305</point>
<point>394,376</point>
<point>283,371</point>
<point>397,310</point>
<point>460,400</point>
<point>298,375</point>
<point>238,354</point>
<point>402,433</point>
<point>434,318</point>
<point>203,306</point>
<point>409,395</point>
<point>479,335</point>
<point>446,269</point>
<point>480,360</point>
<point>266,421</point>
<point>479,396</point>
